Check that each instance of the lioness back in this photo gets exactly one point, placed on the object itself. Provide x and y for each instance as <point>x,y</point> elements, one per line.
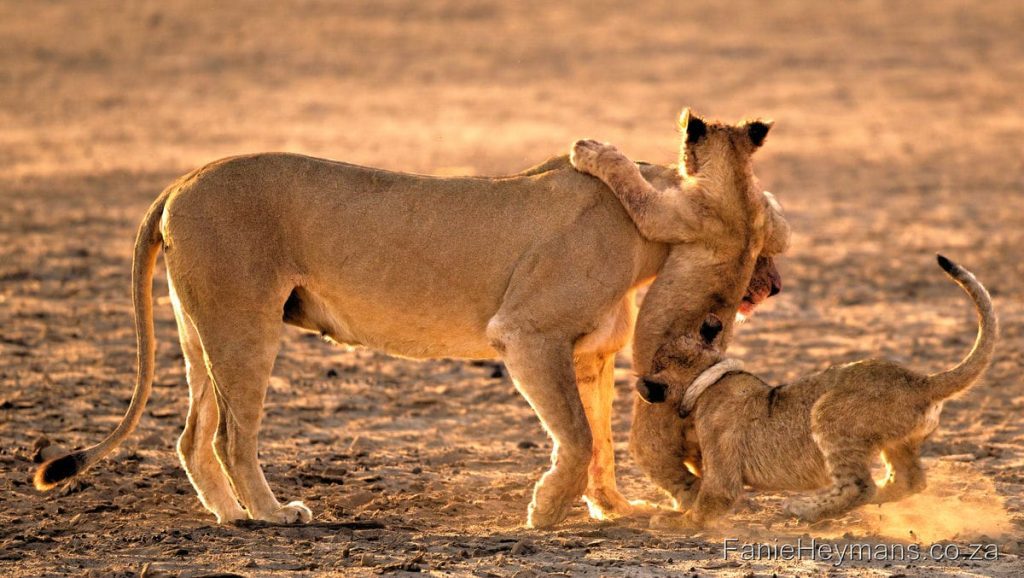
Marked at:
<point>400,256</point>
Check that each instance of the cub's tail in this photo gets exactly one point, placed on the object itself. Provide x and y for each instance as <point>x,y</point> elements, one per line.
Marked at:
<point>948,383</point>
<point>147,245</point>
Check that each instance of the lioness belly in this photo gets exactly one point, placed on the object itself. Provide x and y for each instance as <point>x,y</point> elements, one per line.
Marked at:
<point>395,332</point>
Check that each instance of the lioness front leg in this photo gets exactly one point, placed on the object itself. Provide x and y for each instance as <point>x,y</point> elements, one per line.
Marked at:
<point>595,376</point>
<point>666,216</point>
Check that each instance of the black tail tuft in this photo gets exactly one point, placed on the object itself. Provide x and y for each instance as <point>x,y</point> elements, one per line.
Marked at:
<point>55,471</point>
<point>947,265</point>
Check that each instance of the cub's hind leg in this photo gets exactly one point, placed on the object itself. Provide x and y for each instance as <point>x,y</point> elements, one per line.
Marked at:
<point>905,474</point>
<point>849,465</point>
<point>195,446</point>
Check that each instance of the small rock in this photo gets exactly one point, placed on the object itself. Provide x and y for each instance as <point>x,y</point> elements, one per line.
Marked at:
<point>52,452</point>
<point>966,458</point>
<point>526,445</point>
<point>498,372</point>
<point>332,373</point>
<point>73,486</point>
<point>148,571</point>
<point>521,548</point>
<point>37,446</point>
<point>43,450</point>
<point>417,470</point>
<point>153,440</point>
<point>357,499</point>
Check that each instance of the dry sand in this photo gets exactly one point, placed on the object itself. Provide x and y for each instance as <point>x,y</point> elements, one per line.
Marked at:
<point>899,133</point>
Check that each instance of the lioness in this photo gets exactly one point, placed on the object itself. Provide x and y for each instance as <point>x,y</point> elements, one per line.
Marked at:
<point>538,269</point>
<point>821,431</point>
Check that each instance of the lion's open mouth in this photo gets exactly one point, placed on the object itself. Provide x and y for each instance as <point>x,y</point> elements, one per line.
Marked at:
<point>751,301</point>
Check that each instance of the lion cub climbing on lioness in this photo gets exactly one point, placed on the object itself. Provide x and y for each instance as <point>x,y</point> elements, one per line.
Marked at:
<point>693,209</point>
<point>715,208</point>
<point>822,431</point>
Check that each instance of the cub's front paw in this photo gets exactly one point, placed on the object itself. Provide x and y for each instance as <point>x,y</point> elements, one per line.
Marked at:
<point>675,521</point>
<point>584,154</point>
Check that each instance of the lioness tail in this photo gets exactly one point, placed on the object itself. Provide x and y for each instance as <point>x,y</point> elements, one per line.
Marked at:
<point>147,245</point>
<point>947,383</point>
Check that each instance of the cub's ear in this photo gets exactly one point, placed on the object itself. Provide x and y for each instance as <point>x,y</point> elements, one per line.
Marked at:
<point>710,329</point>
<point>692,125</point>
<point>652,391</point>
<point>758,130</point>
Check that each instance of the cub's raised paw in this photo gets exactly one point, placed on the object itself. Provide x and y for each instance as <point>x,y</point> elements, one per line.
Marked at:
<point>584,154</point>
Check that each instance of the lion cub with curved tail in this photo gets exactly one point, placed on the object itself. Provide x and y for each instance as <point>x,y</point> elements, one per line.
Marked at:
<point>822,431</point>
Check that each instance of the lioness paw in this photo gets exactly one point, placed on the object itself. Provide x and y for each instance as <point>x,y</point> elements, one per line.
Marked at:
<point>292,513</point>
<point>540,517</point>
<point>607,504</point>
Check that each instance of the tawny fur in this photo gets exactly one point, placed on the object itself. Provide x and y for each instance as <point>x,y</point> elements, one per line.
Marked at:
<point>716,209</point>
<point>537,269</point>
<point>821,432</point>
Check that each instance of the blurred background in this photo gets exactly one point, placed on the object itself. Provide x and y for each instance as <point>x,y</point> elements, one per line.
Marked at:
<point>899,132</point>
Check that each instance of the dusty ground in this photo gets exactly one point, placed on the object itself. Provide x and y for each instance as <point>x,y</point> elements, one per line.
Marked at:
<point>899,134</point>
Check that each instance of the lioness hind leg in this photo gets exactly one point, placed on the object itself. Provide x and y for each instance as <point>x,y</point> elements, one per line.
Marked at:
<point>542,370</point>
<point>905,473</point>
<point>849,464</point>
<point>240,348</point>
<point>595,378</point>
<point>195,446</point>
